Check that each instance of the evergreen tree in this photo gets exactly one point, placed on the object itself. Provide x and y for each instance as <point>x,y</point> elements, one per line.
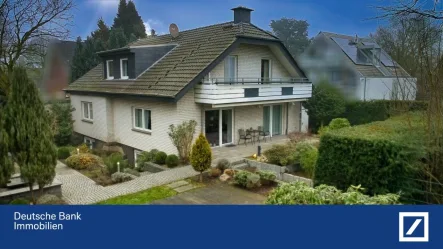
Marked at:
<point>129,20</point>
<point>62,115</point>
<point>28,125</point>
<point>117,38</point>
<point>102,33</point>
<point>201,155</point>
<point>6,166</point>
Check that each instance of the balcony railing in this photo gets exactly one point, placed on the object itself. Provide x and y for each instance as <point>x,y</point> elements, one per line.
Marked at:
<point>236,81</point>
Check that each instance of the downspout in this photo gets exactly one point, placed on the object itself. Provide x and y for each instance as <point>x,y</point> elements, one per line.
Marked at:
<point>364,91</point>
<point>300,116</point>
<point>287,117</point>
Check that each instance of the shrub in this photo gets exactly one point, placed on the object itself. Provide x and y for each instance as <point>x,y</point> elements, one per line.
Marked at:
<point>380,156</point>
<point>131,172</point>
<point>266,176</point>
<point>64,152</point>
<point>49,199</point>
<point>63,122</point>
<point>20,201</point>
<point>201,155</point>
<point>308,160</point>
<point>214,172</point>
<point>223,164</point>
<point>172,160</point>
<point>111,162</point>
<point>143,158</point>
<point>280,154</point>
<point>83,148</point>
<point>338,123</point>
<point>182,136</point>
<point>83,161</point>
<point>301,193</point>
<point>326,101</point>
<point>160,157</point>
<point>118,177</point>
<point>247,179</point>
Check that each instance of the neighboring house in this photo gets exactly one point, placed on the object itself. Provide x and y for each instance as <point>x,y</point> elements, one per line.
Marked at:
<point>359,66</point>
<point>56,75</point>
<point>226,76</point>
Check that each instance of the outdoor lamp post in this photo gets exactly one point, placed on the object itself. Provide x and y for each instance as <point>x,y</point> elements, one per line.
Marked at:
<point>78,151</point>
<point>118,166</point>
<point>259,150</point>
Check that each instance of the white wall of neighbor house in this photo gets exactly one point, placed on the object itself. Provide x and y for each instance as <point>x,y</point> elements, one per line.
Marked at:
<point>249,63</point>
<point>386,88</point>
<point>100,127</point>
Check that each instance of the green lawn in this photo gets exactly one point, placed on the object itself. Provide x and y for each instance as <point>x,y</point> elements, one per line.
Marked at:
<point>141,197</point>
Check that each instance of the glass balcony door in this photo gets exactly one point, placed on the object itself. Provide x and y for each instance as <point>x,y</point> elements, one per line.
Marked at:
<point>218,126</point>
<point>272,119</point>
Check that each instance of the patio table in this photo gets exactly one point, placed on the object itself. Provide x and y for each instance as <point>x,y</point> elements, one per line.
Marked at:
<point>255,134</point>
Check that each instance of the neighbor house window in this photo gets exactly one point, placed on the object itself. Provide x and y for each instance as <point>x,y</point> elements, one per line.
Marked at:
<point>124,69</point>
<point>136,154</point>
<point>87,111</point>
<point>142,119</point>
<point>110,69</point>
<point>89,142</point>
<point>231,68</point>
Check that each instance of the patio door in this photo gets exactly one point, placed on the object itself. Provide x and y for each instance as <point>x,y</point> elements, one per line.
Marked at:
<point>265,70</point>
<point>218,126</point>
<point>272,119</point>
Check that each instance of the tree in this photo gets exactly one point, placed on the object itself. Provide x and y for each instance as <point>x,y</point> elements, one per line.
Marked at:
<point>326,102</point>
<point>6,166</point>
<point>30,138</point>
<point>201,155</point>
<point>129,20</point>
<point>293,33</point>
<point>117,38</point>
<point>102,33</point>
<point>85,56</point>
<point>22,21</point>
<point>181,137</point>
<point>62,116</point>
<point>403,38</point>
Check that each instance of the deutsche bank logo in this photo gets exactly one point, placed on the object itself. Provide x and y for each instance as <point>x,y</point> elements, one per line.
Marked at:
<point>413,227</point>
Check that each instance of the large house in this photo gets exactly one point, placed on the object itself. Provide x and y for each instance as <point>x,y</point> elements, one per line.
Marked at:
<point>358,66</point>
<point>226,77</point>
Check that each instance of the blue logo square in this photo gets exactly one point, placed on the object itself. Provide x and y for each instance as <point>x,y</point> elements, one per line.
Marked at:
<point>417,231</point>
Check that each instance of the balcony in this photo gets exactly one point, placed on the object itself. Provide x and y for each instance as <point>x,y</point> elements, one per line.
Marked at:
<point>221,91</point>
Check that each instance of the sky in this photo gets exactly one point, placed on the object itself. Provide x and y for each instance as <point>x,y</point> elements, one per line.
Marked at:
<point>340,16</point>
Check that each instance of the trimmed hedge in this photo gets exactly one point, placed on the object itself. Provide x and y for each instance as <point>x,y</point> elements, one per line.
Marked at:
<point>381,156</point>
<point>363,112</point>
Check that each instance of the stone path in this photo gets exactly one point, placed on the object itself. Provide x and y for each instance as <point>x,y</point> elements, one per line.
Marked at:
<point>181,186</point>
<point>79,189</point>
<point>214,194</point>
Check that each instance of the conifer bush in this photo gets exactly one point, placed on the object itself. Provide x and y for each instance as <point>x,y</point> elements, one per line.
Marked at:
<point>201,155</point>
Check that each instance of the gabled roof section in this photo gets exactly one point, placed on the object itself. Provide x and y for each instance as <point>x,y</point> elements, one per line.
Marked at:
<point>388,67</point>
<point>169,77</point>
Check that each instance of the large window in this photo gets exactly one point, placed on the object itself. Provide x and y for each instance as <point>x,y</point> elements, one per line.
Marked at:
<point>231,68</point>
<point>87,111</point>
<point>110,69</point>
<point>142,119</point>
<point>124,69</point>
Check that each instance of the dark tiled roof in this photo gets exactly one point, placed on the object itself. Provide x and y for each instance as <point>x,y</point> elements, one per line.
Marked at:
<point>196,49</point>
<point>368,70</point>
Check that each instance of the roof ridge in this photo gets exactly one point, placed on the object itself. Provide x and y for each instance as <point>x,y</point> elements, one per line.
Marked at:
<point>183,31</point>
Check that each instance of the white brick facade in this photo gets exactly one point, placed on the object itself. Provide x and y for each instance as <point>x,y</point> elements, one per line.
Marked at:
<point>249,63</point>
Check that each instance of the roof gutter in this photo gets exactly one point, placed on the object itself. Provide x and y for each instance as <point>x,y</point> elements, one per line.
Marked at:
<point>129,95</point>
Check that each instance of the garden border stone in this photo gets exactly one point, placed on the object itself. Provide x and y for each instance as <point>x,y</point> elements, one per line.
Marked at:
<point>278,170</point>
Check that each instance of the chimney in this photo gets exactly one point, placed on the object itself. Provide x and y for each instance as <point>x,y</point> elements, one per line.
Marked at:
<point>242,14</point>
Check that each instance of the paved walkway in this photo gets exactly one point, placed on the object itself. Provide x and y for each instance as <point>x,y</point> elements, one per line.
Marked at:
<point>238,152</point>
<point>79,189</point>
<point>215,194</point>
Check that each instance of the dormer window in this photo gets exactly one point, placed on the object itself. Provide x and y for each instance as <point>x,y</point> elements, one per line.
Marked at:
<point>110,69</point>
<point>124,68</point>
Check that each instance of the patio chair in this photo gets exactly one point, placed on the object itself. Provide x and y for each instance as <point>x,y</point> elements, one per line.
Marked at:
<point>242,135</point>
<point>263,133</point>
